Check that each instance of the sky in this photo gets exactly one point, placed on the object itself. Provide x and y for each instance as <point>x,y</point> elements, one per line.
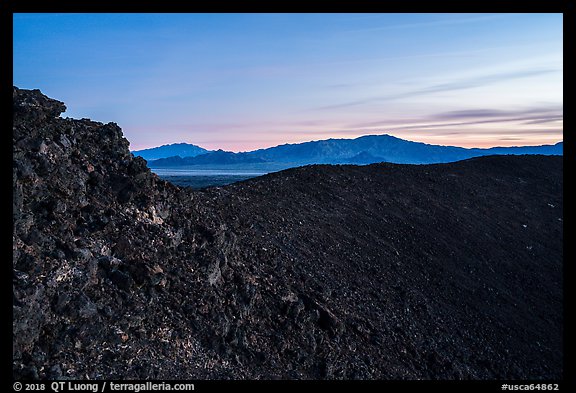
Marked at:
<point>240,82</point>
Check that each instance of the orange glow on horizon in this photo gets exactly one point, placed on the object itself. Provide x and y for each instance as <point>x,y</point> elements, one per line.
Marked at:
<point>471,141</point>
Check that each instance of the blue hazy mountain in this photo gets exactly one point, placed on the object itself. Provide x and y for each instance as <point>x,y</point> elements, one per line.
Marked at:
<point>547,150</point>
<point>363,150</point>
<point>218,157</point>
<point>173,150</point>
<point>379,148</point>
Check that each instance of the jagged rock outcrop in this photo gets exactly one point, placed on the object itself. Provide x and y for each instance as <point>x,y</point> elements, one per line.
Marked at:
<point>384,271</point>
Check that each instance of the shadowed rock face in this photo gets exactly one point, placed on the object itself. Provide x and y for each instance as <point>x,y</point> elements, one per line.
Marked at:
<point>384,271</point>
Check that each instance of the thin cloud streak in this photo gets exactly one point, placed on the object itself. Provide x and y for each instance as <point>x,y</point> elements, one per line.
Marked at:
<point>434,23</point>
<point>476,116</point>
<point>476,113</point>
<point>440,131</point>
<point>444,87</point>
<point>548,120</point>
<point>463,123</point>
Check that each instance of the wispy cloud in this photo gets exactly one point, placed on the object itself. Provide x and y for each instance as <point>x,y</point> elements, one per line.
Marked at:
<point>550,110</point>
<point>445,87</point>
<point>470,123</point>
<point>534,115</point>
<point>479,113</point>
<point>481,81</point>
<point>431,132</point>
<point>457,20</point>
<point>510,138</point>
<point>551,119</point>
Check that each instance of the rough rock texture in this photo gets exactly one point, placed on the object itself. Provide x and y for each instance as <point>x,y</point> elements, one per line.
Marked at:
<point>385,271</point>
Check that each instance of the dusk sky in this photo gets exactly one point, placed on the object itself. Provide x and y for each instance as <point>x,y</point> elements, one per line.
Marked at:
<point>245,81</point>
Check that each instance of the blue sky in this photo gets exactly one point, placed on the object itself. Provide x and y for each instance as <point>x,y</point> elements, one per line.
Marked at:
<point>246,81</point>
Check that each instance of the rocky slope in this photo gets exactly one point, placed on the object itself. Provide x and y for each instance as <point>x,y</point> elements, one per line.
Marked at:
<point>449,271</point>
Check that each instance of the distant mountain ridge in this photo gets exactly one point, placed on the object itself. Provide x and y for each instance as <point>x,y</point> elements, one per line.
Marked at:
<point>363,150</point>
<point>219,157</point>
<point>171,150</point>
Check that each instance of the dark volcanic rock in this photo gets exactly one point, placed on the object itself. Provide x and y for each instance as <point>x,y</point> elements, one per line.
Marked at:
<point>385,271</point>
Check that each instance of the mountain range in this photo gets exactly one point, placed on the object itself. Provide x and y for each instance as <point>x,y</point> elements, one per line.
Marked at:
<point>363,150</point>
<point>172,150</point>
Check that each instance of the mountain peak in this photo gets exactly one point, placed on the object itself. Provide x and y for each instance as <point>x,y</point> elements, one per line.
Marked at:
<point>171,150</point>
